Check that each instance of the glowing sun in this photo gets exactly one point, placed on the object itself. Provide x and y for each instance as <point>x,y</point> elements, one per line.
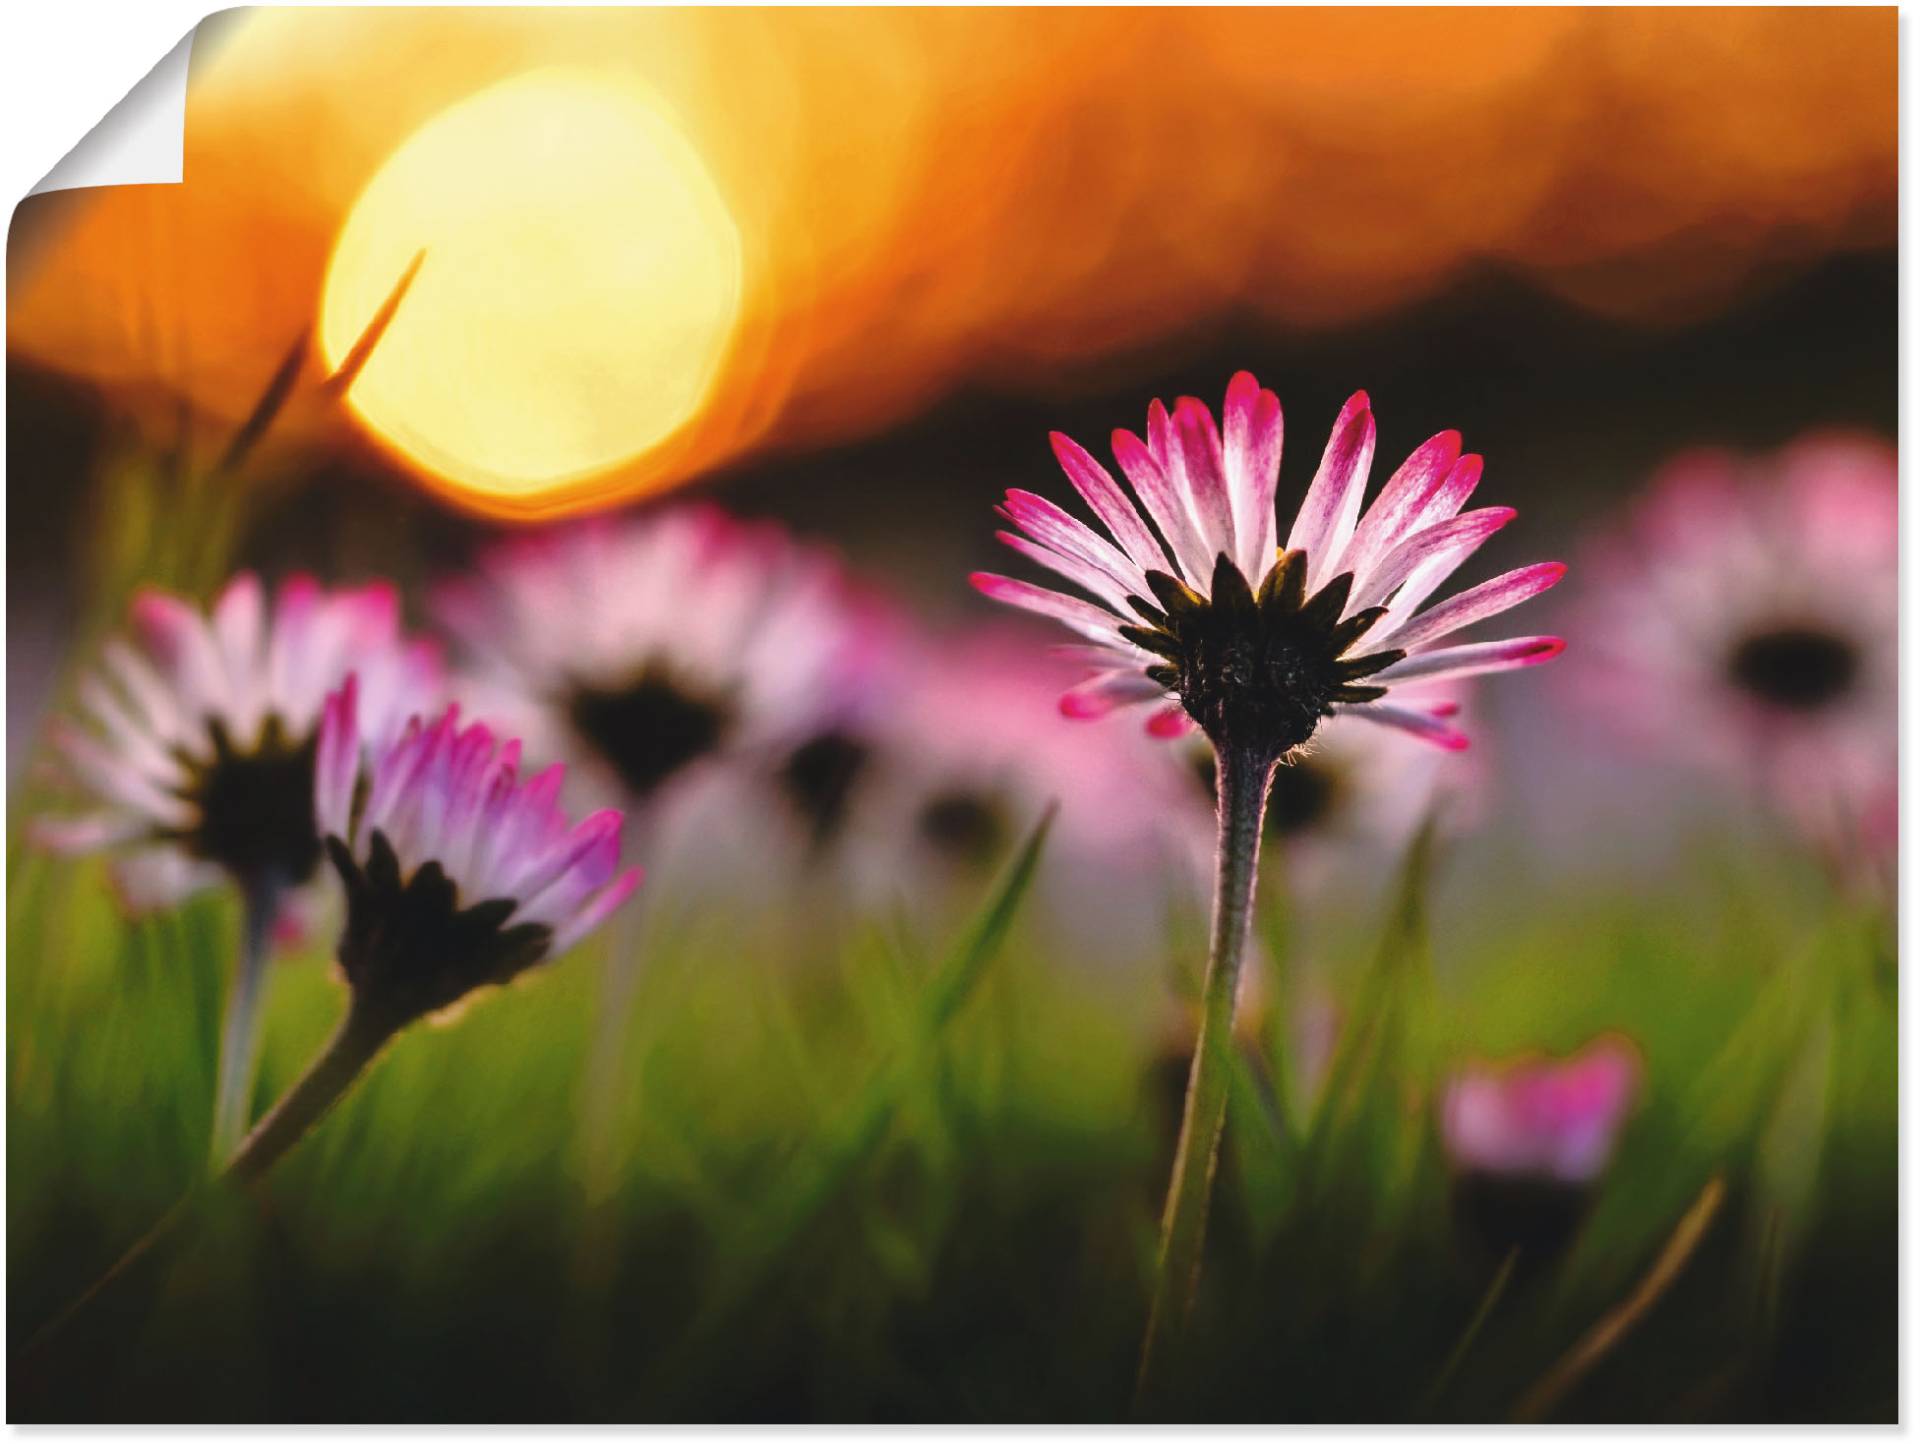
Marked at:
<point>580,287</point>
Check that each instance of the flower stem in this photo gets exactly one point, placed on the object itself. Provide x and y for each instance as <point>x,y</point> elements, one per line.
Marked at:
<point>240,1034</point>
<point>1243,776</point>
<point>362,1033</point>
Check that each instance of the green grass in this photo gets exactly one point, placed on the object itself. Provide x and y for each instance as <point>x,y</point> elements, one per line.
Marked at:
<point>881,1180</point>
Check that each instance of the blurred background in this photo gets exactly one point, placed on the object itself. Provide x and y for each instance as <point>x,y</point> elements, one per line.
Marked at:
<point>846,270</point>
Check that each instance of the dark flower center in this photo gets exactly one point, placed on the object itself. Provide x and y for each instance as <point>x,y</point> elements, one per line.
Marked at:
<point>1258,672</point>
<point>1304,794</point>
<point>1798,668</point>
<point>410,948</point>
<point>967,827</point>
<point>255,806</point>
<point>819,778</point>
<point>650,729</point>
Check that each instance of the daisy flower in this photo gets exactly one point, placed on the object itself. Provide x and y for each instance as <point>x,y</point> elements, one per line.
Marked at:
<point>200,755</point>
<point>1196,606</point>
<point>201,731</point>
<point>1746,612</point>
<point>459,874</point>
<point>1529,1139</point>
<point>960,759</point>
<point>644,648</point>
<point>1204,614</point>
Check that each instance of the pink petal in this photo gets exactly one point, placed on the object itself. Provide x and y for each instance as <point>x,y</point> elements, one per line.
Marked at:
<point>1444,546</point>
<point>1253,436</point>
<point>1165,504</point>
<point>596,911</point>
<point>1100,695</point>
<point>176,637</point>
<point>1160,436</point>
<point>1476,604</point>
<point>1424,725</point>
<point>143,689</point>
<point>1171,723</point>
<point>1473,658</point>
<point>1202,469</point>
<point>592,846</point>
<point>114,779</point>
<point>1326,517</point>
<point>1390,520</point>
<point>337,761</point>
<point>85,834</point>
<point>1082,617</point>
<point>1452,493</point>
<point>1103,494</point>
<point>1078,572</point>
<point>1049,525</point>
<point>239,627</point>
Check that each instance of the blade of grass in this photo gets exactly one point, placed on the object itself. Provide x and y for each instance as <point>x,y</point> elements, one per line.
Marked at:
<point>819,1177</point>
<point>1400,959</point>
<point>1579,1361</point>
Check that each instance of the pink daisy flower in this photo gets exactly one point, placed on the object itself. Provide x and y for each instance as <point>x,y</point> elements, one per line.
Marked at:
<point>1529,1138</point>
<point>646,647</point>
<point>960,762</point>
<point>1199,609</point>
<point>1745,616</point>
<point>459,873</point>
<point>200,748</point>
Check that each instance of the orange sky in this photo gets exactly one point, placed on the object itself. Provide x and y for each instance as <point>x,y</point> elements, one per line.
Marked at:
<point>926,197</point>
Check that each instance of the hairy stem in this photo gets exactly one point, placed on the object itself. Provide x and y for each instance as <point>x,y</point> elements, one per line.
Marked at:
<point>1242,787</point>
<point>362,1033</point>
<point>240,1033</point>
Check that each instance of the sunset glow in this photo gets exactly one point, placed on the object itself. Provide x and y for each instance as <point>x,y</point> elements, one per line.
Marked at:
<point>581,283</point>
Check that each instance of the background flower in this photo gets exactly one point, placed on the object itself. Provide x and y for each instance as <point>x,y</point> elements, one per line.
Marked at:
<point>645,649</point>
<point>1743,616</point>
<point>203,730</point>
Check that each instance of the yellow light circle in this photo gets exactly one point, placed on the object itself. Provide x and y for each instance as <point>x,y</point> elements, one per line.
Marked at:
<point>580,285</point>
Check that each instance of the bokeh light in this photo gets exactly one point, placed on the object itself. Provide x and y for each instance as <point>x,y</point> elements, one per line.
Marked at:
<point>582,281</point>
<point>930,200</point>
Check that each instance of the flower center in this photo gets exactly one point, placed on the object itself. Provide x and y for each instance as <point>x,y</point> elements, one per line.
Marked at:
<point>966,827</point>
<point>1258,672</point>
<point>1799,668</point>
<point>649,729</point>
<point>411,946</point>
<point>819,778</point>
<point>256,807</point>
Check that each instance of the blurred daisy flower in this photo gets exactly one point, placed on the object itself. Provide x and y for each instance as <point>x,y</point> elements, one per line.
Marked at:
<point>1352,791</point>
<point>962,757</point>
<point>201,731</point>
<point>645,648</point>
<point>1744,615</point>
<point>459,874</point>
<point>1529,1139</point>
<point>1199,609</point>
<point>201,752</point>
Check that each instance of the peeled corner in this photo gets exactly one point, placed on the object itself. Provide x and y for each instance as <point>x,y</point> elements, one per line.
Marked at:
<point>141,141</point>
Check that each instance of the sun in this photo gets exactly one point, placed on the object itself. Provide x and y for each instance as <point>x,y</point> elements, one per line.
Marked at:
<point>581,284</point>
